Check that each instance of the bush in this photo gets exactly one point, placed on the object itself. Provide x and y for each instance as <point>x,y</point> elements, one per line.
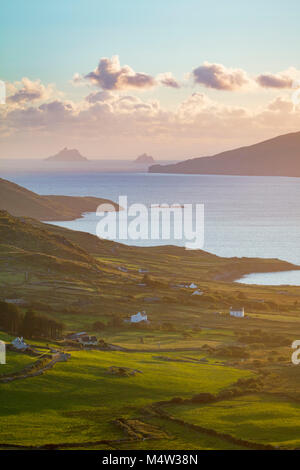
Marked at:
<point>203,398</point>
<point>177,400</point>
<point>98,326</point>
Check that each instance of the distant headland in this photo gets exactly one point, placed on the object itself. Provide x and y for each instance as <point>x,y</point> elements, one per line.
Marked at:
<point>274,157</point>
<point>67,155</point>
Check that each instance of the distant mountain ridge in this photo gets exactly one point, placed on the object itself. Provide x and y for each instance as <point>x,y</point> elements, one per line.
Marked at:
<point>67,155</point>
<point>279,156</point>
<point>19,201</point>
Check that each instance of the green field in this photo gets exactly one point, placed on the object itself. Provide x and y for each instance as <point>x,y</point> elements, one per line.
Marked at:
<point>15,362</point>
<point>257,418</point>
<point>143,340</point>
<point>78,400</point>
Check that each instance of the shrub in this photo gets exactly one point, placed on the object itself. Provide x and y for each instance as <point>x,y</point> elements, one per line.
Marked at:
<point>203,398</point>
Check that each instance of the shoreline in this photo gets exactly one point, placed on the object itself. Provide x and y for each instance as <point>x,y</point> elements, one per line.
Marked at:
<point>234,275</point>
<point>85,205</point>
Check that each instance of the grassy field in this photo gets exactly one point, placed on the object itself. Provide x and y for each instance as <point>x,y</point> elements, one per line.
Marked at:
<point>78,400</point>
<point>257,418</point>
<point>142,340</point>
<point>15,362</point>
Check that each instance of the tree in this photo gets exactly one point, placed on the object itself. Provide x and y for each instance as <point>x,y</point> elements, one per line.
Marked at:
<point>10,317</point>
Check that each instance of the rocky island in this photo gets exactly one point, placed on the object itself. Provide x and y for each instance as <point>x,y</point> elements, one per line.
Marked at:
<point>144,159</point>
<point>67,155</point>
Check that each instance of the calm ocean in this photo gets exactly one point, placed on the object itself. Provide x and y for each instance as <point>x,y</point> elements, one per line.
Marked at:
<point>244,216</point>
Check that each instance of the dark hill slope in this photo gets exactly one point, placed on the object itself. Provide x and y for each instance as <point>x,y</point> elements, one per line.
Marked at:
<point>279,156</point>
<point>19,201</point>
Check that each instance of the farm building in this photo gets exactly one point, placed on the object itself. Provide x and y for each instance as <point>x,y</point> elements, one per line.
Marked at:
<point>138,317</point>
<point>76,336</point>
<point>197,292</point>
<point>19,343</point>
<point>87,340</point>
<point>237,312</point>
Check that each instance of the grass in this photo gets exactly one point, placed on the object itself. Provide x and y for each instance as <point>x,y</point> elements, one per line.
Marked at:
<point>180,439</point>
<point>131,338</point>
<point>257,418</point>
<point>77,401</point>
<point>15,362</point>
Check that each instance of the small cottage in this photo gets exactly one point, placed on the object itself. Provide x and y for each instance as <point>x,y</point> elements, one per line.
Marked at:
<point>138,317</point>
<point>20,344</point>
<point>237,312</point>
<point>193,286</point>
<point>197,292</point>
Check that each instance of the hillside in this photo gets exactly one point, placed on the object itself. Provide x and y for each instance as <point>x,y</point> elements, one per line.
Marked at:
<point>19,201</point>
<point>279,156</point>
<point>60,267</point>
<point>67,155</point>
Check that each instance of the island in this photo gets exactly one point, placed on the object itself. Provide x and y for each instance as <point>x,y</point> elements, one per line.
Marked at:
<point>144,159</point>
<point>67,155</point>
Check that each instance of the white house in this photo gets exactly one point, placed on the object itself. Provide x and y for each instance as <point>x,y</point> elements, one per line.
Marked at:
<point>2,352</point>
<point>19,343</point>
<point>237,312</point>
<point>197,292</point>
<point>193,286</point>
<point>138,317</point>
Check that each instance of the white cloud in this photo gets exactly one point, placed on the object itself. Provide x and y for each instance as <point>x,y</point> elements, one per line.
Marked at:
<point>109,75</point>
<point>167,79</point>
<point>219,77</point>
<point>278,80</point>
<point>28,91</point>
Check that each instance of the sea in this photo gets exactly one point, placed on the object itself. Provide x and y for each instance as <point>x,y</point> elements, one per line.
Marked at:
<point>243,216</point>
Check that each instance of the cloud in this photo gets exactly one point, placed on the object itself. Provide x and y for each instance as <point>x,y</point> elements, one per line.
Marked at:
<point>99,96</point>
<point>124,123</point>
<point>281,105</point>
<point>167,79</point>
<point>194,105</point>
<point>269,80</point>
<point>46,116</point>
<point>78,80</point>
<point>198,123</point>
<point>219,77</point>
<point>27,90</point>
<point>109,75</point>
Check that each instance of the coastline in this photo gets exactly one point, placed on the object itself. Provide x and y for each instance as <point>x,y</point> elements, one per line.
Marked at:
<point>267,266</point>
<point>78,206</point>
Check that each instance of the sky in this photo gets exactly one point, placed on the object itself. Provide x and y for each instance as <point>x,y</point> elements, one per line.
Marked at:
<point>171,78</point>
